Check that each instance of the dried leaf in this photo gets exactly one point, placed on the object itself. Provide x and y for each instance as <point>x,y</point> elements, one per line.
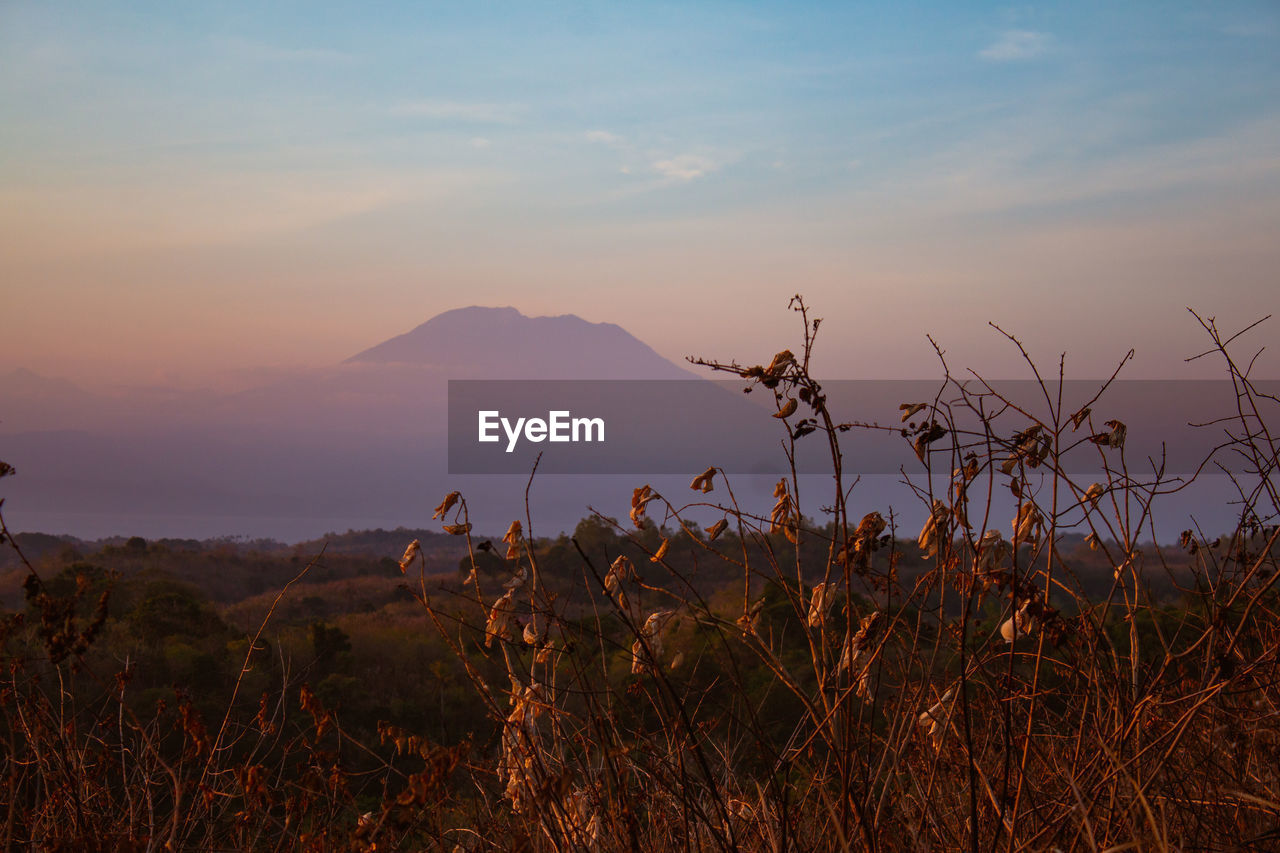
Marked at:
<point>788,409</point>
<point>819,604</point>
<point>513,537</point>
<point>936,717</point>
<point>992,551</point>
<point>1118,431</point>
<point>458,529</point>
<point>1021,624</point>
<point>651,633</point>
<point>927,437</point>
<point>638,666</point>
<point>501,622</point>
<point>415,548</point>
<point>716,529</point>
<point>656,622</point>
<point>782,518</point>
<point>446,505</point>
<point>621,570</point>
<point>856,553</point>
<point>1028,523</point>
<point>661,552</point>
<point>1079,417</point>
<point>780,362</point>
<point>910,410</point>
<point>534,630</point>
<point>936,530</point>
<point>803,428</point>
<point>1115,438</point>
<point>639,500</point>
<point>703,482</point>
<point>861,640</point>
<point>518,578</point>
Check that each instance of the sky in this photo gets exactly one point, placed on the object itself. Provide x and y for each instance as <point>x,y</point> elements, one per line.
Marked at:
<point>195,191</point>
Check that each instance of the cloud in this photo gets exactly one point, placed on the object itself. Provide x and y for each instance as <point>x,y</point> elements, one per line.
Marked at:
<point>603,136</point>
<point>123,213</point>
<point>470,111</point>
<point>1014,45</point>
<point>480,142</point>
<point>685,167</point>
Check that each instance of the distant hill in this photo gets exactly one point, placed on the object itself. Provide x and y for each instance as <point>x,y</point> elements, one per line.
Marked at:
<point>359,443</point>
<point>502,343</point>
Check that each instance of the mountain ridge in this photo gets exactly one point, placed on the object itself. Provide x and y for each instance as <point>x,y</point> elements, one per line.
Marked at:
<point>516,346</point>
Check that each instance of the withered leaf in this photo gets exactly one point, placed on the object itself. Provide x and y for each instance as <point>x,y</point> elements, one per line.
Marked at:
<point>1118,431</point>
<point>621,570</point>
<point>788,409</point>
<point>1028,524</point>
<point>446,505</point>
<point>716,529</point>
<point>780,362</point>
<point>927,437</point>
<point>782,518</point>
<point>702,482</point>
<point>415,547</point>
<point>1115,438</point>
<point>639,500</point>
<point>910,410</point>
<point>515,533</point>
<point>501,621</point>
<point>936,529</point>
<point>819,604</point>
<point>804,427</point>
<point>458,529</point>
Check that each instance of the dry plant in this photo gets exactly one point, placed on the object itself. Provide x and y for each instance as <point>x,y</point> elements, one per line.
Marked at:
<point>963,688</point>
<point>986,702</point>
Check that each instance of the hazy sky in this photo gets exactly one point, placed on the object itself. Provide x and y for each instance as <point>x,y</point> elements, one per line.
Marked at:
<point>189,192</point>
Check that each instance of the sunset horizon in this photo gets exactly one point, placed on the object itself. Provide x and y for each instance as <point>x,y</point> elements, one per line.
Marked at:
<point>595,427</point>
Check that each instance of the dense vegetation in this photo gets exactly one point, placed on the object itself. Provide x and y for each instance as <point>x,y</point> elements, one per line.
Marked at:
<point>783,679</point>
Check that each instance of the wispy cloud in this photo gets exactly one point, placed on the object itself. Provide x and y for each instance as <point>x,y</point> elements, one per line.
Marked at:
<point>480,142</point>
<point>1014,45</point>
<point>603,136</point>
<point>685,167</point>
<point>469,111</point>
<point>214,208</point>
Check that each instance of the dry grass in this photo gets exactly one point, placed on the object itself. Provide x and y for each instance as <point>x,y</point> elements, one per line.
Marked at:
<point>826,703</point>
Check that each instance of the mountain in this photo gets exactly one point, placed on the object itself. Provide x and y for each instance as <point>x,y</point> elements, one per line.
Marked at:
<point>360,443</point>
<point>502,343</point>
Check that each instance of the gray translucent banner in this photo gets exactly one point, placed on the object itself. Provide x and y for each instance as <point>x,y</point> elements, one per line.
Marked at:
<point>651,427</point>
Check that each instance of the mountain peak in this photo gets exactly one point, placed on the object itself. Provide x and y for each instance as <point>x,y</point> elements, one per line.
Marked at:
<point>502,343</point>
